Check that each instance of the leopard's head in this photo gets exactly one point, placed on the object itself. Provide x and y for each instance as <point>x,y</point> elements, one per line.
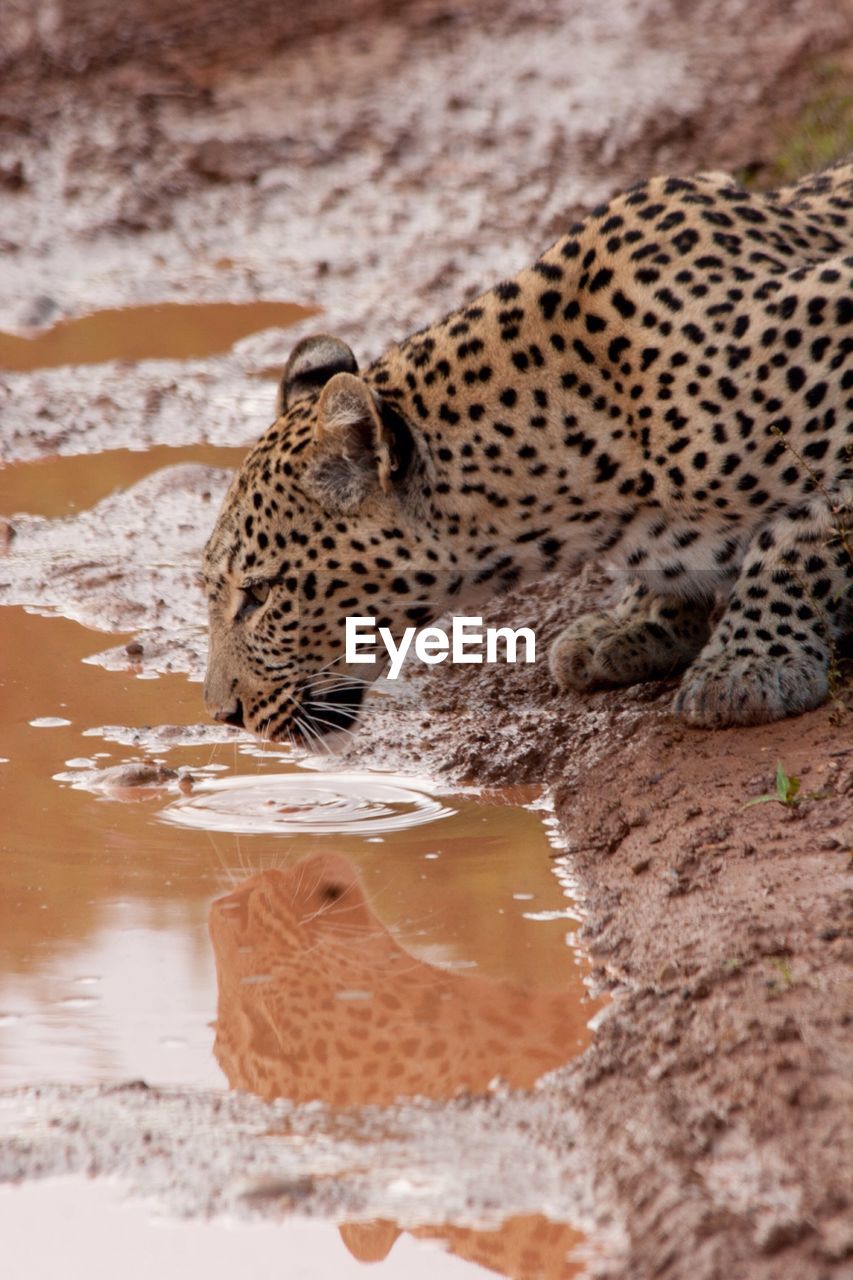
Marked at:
<point>326,518</point>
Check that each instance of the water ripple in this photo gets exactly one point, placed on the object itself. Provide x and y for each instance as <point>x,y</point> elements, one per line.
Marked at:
<point>294,804</point>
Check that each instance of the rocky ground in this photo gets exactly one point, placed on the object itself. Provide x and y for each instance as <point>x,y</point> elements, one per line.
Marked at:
<point>382,169</point>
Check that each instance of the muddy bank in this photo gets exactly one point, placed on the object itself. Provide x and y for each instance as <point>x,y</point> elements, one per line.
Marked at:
<point>383,170</point>
<point>716,1096</point>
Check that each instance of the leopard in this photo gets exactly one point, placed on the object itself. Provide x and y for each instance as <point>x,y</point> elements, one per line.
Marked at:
<point>666,391</point>
<point>319,1002</point>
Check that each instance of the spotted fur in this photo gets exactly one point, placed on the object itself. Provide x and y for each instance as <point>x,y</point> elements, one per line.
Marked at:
<point>668,388</point>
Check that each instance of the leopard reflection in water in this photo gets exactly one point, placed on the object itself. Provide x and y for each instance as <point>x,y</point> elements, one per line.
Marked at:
<point>317,1001</point>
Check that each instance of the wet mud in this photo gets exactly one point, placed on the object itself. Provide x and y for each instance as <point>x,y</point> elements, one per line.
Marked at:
<point>380,170</point>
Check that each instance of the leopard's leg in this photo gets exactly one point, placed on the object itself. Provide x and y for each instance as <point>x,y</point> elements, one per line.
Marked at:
<point>644,637</point>
<point>771,652</point>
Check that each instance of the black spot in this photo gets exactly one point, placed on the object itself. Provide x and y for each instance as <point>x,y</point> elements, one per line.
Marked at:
<point>605,467</point>
<point>616,347</point>
<point>815,394</point>
<point>669,300</point>
<point>550,270</point>
<point>549,301</point>
<point>600,280</point>
<point>623,305</point>
<point>650,211</point>
<point>685,240</point>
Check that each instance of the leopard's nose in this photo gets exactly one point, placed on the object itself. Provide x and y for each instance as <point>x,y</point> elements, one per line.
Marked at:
<point>232,714</point>
<point>221,695</point>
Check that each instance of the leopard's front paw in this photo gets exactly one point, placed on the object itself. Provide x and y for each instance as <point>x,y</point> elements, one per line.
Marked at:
<point>720,689</point>
<point>572,656</point>
<point>602,650</point>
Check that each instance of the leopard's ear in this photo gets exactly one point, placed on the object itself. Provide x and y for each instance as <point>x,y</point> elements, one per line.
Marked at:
<point>351,458</point>
<point>312,363</point>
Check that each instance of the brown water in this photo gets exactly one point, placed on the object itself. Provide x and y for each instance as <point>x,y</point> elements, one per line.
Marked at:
<point>105,966</point>
<point>162,331</point>
<point>54,487</point>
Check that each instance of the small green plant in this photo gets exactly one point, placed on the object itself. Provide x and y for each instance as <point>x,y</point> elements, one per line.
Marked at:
<point>787,790</point>
<point>785,981</point>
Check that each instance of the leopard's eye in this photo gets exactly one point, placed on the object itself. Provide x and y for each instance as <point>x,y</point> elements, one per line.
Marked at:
<point>252,596</point>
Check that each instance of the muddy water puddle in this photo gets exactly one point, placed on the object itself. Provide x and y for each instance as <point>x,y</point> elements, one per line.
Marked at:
<point>161,331</point>
<point>184,905</point>
<point>55,487</point>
